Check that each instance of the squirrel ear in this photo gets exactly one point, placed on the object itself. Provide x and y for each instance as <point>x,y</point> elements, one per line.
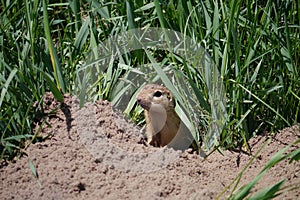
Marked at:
<point>171,99</point>
<point>174,103</point>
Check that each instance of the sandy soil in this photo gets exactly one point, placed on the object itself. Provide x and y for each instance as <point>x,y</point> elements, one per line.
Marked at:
<point>94,153</point>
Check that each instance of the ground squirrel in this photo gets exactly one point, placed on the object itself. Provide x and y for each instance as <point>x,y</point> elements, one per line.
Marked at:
<point>163,126</point>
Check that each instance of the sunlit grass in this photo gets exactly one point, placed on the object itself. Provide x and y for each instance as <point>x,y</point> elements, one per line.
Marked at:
<point>254,46</point>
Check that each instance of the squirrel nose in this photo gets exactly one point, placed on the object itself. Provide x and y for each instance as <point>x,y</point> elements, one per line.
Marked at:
<point>142,103</point>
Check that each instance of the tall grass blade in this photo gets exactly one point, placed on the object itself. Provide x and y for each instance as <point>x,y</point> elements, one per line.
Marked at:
<point>163,22</point>
<point>130,15</point>
<point>58,74</point>
<point>260,100</point>
<point>81,37</point>
<point>56,93</point>
<point>6,84</point>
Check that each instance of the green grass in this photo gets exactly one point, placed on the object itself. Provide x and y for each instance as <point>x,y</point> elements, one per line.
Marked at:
<point>271,191</point>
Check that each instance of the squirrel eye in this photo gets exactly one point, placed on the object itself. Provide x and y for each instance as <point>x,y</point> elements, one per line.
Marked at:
<point>157,94</point>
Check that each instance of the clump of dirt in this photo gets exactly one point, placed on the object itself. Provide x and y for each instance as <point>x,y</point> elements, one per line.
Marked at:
<point>94,153</point>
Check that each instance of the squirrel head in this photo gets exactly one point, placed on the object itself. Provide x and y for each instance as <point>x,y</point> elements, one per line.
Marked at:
<point>153,95</point>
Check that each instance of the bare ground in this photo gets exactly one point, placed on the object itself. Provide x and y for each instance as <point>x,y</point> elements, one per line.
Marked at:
<point>93,153</point>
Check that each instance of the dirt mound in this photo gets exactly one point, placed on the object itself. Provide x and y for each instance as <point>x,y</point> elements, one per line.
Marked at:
<point>95,153</point>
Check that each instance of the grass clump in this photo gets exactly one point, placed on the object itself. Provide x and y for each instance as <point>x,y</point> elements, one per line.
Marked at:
<point>254,46</point>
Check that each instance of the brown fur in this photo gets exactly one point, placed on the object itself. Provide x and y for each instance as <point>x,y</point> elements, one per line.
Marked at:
<point>162,122</point>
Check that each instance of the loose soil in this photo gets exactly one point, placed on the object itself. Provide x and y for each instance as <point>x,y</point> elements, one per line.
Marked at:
<point>94,153</point>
